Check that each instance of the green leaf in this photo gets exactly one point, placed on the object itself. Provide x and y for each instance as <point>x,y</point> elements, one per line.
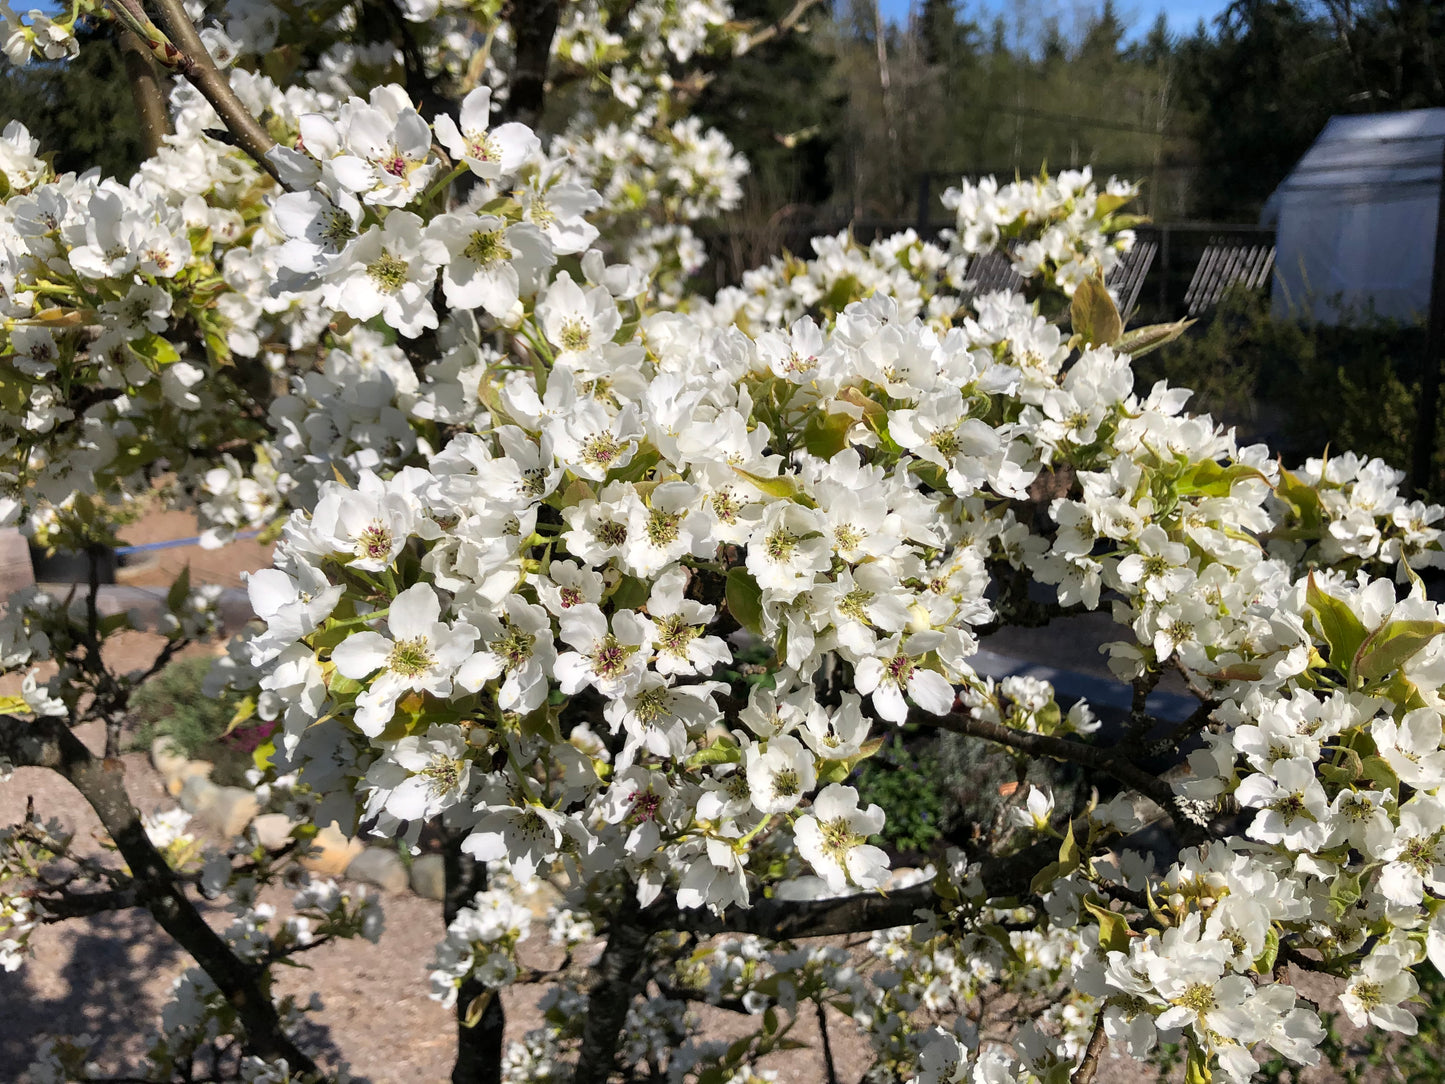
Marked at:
<point>1390,645</point>
<point>1344,894</point>
<point>832,771</point>
<point>1113,927</point>
<point>1127,222</point>
<point>1069,854</point>
<point>825,435</point>
<point>843,292</point>
<point>869,748</point>
<point>218,349</point>
<point>1000,935</point>
<point>642,461</point>
<point>1265,961</point>
<point>542,723</point>
<point>1093,315</point>
<point>577,492</point>
<point>629,594</point>
<point>783,488</point>
<point>1197,1070</point>
<point>340,686</point>
<point>1342,630</point>
<point>1304,499</point>
<point>1378,771</point>
<point>1109,202</point>
<point>1044,879</point>
<point>1069,859</point>
<point>723,751</point>
<point>1142,340</point>
<point>1210,479</point>
<point>1048,717</point>
<point>155,353</point>
<point>179,591</point>
<point>477,1007</point>
<point>745,600</point>
<point>244,710</point>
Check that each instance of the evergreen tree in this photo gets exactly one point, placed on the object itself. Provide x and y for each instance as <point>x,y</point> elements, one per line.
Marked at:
<point>81,109</point>
<point>773,105</point>
<point>1261,89</point>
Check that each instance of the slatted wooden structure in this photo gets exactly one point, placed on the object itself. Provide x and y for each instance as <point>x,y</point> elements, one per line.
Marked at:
<point>989,273</point>
<point>1126,280</point>
<point>1227,262</point>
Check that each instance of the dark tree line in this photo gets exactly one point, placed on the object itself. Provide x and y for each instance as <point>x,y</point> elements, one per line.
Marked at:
<point>833,119</point>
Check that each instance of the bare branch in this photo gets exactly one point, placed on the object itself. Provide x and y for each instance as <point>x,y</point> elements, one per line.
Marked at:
<point>1098,1041</point>
<point>145,87</point>
<point>186,53</point>
<point>779,28</point>
<point>620,975</point>
<point>479,1044</point>
<point>47,743</point>
<point>1076,752</point>
<point>787,920</point>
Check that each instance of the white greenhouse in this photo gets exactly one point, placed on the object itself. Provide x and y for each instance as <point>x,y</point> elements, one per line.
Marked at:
<point>1355,219</point>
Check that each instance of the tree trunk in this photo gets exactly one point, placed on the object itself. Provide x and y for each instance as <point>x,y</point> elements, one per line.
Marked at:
<point>479,1048</point>
<point>621,973</point>
<point>534,22</point>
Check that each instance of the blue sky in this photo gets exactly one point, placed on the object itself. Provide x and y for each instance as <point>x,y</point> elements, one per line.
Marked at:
<point>1183,15</point>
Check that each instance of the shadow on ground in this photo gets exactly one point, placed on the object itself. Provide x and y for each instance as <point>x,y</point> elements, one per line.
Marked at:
<point>109,978</point>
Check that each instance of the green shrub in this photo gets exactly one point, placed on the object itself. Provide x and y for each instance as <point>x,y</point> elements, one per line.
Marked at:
<point>173,705</point>
<point>906,784</point>
<point>1302,386</point>
<point>981,778</point>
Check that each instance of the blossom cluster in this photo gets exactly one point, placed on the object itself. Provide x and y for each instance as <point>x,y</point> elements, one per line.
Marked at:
<point>622,589</point>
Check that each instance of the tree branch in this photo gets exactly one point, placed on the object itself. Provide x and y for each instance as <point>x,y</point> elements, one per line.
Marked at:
<point>186,53</point>
<point>779,28</point>
<point>48,743</point>
<point>787,920</point>
<point>145,87</point>
<point>1098,1041</point>
<point>1088,756</point>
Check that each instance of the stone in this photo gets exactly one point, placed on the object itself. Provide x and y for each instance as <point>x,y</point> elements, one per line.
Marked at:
<point>428,876</point>
<point>15,568</point>
<point>539,897</point>
<point>331,852</point>
<point>379,866</point>
<point>230,810</point>
<point>191,769</point>
<point>167,757</point>
<point>272,830</point>
<point>196,792</point>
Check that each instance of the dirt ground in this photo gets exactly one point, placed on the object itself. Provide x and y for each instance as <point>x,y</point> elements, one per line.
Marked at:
<point>109,976</point>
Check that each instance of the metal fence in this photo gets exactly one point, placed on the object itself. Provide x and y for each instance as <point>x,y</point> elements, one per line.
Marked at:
<point>1193,263</point>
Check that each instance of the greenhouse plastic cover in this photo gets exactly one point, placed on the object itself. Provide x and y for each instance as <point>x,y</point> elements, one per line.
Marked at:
<point>1355,219</point>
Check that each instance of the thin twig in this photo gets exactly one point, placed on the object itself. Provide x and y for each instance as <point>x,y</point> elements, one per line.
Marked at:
<point>1084,1074</point>
<point>186,53</point>
<point>777,29</point>
<point>1077,752</point>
